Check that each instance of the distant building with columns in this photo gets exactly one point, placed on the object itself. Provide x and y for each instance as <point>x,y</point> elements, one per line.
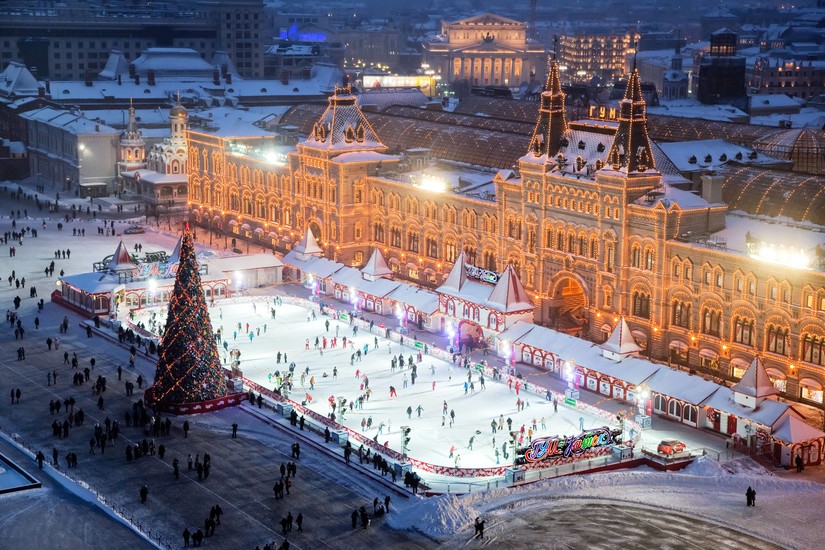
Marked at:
<point>486,50</point>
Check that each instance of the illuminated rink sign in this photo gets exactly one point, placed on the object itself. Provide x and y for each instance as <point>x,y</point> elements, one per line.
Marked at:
<point>483,275</point>
<point>155,269</point>
<point>546,448</point>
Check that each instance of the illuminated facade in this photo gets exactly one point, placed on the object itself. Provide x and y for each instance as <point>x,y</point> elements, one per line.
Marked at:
<point>596,221</point>
<point>485,50</point>
<point>586,54</point>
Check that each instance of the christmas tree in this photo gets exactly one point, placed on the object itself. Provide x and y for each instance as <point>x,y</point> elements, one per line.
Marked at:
<point>189,369</point>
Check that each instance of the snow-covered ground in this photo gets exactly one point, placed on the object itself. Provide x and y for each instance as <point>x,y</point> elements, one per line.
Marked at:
<point>788,511</point>
<point>438,382</point>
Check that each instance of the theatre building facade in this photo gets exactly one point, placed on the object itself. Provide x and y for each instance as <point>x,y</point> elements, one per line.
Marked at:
<point>595,222</point>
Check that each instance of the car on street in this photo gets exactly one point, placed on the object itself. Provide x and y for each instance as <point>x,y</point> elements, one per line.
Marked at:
<point>670,447</point>
<point>133,230</point>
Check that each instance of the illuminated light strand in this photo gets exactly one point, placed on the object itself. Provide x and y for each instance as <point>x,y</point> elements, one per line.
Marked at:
<point>189,368</point>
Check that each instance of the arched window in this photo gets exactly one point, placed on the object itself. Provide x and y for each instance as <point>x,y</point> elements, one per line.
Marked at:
<point>680,316</point>
<point>743,330</point>
<point>812,349</point>
<point>641,305</point>
<point>689,414</point>
<point>635,257</point>
<point>659,403</point>
<point>674,408</point>
<point>777,340</point>
<point>711,321</point>
<point>649,260</point>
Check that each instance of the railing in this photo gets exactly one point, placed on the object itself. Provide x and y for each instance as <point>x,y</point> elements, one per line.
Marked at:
<point>151,535</point>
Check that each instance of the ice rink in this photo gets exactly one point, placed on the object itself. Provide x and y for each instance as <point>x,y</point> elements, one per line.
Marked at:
<point>438,381</point>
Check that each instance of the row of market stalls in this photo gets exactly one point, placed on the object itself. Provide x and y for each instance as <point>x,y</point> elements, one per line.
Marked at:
<point>123,282</point>
<point>472,305</point>
<point>748,412</point>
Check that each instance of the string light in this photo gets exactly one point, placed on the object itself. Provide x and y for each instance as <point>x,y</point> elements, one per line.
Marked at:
<point>189,369</point>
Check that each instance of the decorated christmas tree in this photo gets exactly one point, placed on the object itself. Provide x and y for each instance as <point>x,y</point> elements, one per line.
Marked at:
<point>189,369</point>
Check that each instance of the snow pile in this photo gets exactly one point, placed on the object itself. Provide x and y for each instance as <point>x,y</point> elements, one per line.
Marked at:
<point>438,516</point>
<point>742,466</point>
<point>708,486</point>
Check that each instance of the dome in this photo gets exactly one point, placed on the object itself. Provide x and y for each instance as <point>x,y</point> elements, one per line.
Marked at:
<point>803,146</point>
<point>178,110</point>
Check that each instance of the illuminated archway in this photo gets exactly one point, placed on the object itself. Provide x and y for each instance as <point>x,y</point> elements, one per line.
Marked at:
<point>568,304</point>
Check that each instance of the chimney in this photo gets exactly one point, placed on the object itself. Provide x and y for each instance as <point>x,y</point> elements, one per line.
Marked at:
<point>48,87</point>
<point>150,77</point>
<point>41,91</point>
<point>97,127</point>
<point>216,76</point>
<point>119,80</point>
<point>228,77</point>
<point>137,79</point>
<point>132,70</point>
<point>712,188</point>
<point>88,77</point>
<point>224,69</point>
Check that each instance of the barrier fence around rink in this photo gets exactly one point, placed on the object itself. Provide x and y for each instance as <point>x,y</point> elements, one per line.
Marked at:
<point>532,471</point>
<point>153,536</point>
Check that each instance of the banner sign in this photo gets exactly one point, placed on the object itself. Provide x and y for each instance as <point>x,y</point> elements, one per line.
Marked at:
<point>155,269</point>
<point>481,274</point>
<point>547,448</point>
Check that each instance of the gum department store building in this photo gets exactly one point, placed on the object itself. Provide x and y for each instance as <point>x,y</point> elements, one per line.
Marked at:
<point>596,220</point>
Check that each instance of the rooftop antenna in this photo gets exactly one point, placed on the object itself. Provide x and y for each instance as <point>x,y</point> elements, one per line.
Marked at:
<point>635,53</point>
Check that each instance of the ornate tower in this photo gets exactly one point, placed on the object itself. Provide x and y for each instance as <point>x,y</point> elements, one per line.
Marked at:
<point>551,124</point>
<point>177,120</point>
<point>631,151</point>
<point>132,146</point>
<point>332,166</point>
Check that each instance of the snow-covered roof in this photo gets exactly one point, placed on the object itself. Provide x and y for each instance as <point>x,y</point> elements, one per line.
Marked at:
<point>348,277</point>
<point>740,227</point>
<point>755,382</point>
<point>421,299</point>
<point>621,341</point>
<point>376,266</point>
<point>681,385</point>
<point>320,267</point>
<point>342,127</point>
<point>16,80</point>
<point>792,429</point>
<point>242,263</point>
<point>308,245</point>
<point>689,108</point>
<point>73,123</point>
<point>766,413</point>
<point>632,370</point>
<point>379,288</point>
<point>457,277</point>
<point>509,294</point>
<point>171,62</point>
<point>709,154</point>
<point>158,178</point>
<point>115,65</point>
<point>121,259</point>
<point>92,283</point>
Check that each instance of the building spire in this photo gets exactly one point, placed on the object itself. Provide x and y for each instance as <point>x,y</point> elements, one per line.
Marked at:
<point>631,149</point>
<point>552,123</point>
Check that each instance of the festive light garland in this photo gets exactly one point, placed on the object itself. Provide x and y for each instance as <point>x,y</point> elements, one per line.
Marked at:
<point>189,368</point>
